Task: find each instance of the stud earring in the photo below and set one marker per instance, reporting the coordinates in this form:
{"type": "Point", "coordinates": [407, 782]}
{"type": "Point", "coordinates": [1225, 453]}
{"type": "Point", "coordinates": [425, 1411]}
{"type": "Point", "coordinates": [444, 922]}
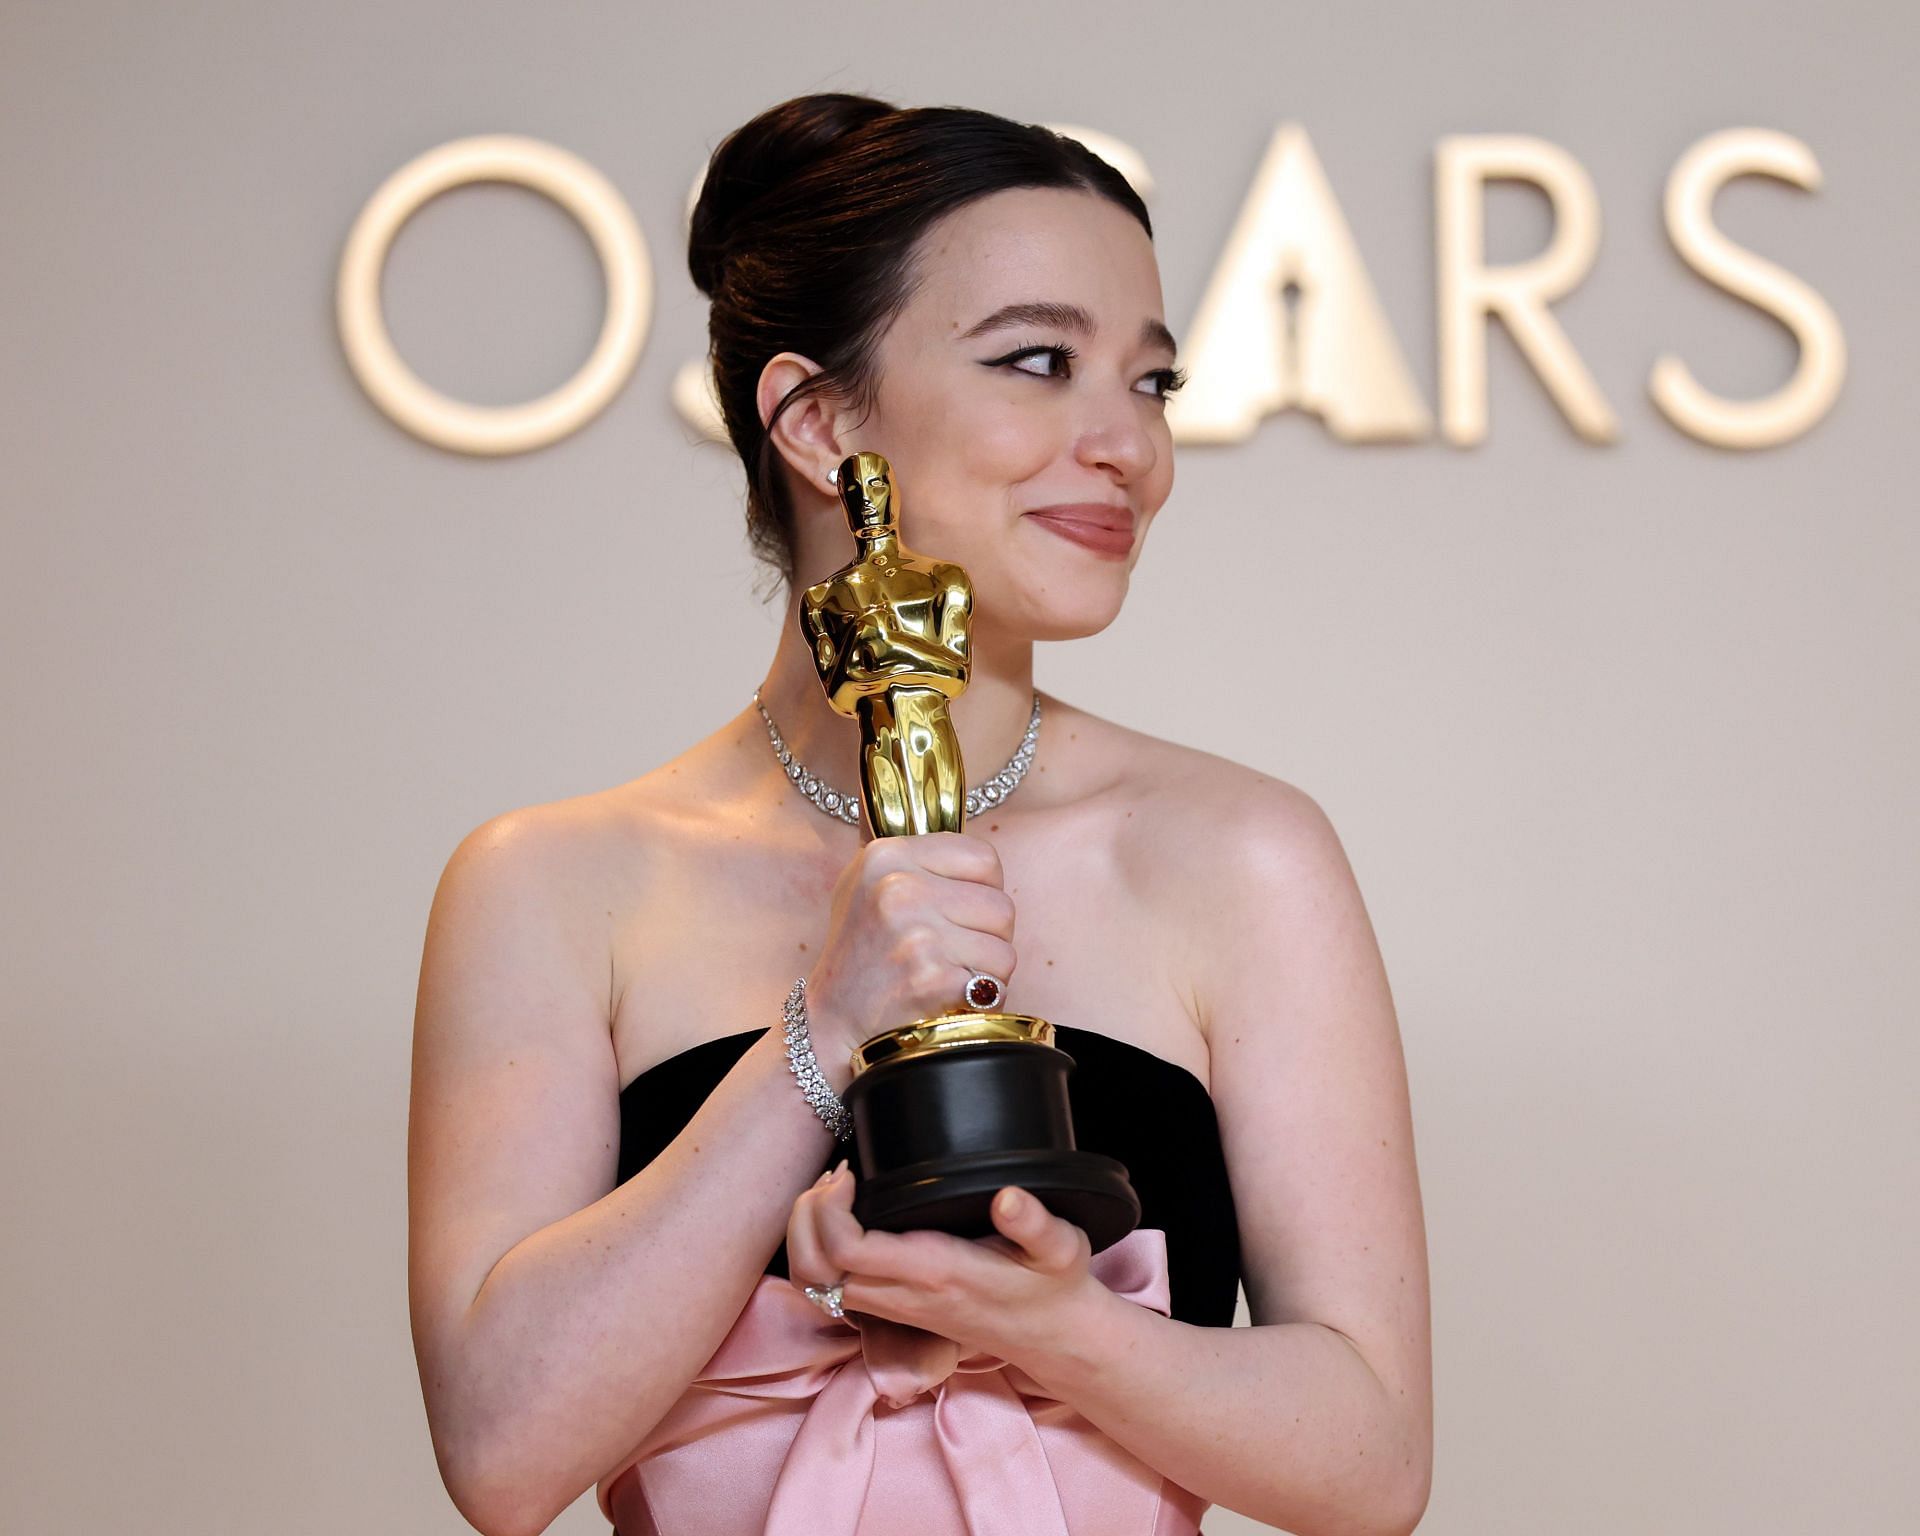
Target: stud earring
{"type": "Point", "coordinates": [833, 475]}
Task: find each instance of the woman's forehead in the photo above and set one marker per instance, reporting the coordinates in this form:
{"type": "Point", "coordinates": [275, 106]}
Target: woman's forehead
{"type": "Point", "coordinates": [1024, 233]}
{"type": "Point", "coordinates": [1061, 269]}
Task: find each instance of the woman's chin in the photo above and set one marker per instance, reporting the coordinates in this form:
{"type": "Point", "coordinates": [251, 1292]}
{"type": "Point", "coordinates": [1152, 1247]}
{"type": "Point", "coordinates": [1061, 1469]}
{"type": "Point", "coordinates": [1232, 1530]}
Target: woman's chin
{"type": "Point", "coordinates": [1070, 611]}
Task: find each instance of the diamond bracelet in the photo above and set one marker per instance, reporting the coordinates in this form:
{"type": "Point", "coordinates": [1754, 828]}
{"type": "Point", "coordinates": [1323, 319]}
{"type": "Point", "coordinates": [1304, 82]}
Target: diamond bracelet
{"type": "Point", "coordinates": [805, 1066]}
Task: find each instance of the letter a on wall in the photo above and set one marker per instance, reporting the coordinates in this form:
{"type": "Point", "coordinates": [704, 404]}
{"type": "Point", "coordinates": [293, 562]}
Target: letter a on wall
{"type": "Point", "coordinates": [1252, 353]}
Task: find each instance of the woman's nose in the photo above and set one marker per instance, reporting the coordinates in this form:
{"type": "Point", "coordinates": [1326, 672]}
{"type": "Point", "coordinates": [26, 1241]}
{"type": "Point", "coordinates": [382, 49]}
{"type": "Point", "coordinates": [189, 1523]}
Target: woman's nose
{"type": "Point", "coordinates": [1118, 442]}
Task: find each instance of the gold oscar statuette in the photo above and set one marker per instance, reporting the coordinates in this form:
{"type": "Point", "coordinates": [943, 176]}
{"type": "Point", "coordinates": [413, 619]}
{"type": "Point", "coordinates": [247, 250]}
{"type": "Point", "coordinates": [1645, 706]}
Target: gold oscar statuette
{"type": "Point", "coordinates": [947, 1110]}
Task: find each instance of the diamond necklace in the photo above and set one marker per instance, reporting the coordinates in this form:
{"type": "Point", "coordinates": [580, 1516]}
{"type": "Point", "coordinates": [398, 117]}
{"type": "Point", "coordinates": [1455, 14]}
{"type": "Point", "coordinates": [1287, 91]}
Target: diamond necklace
{"type": "Point", "coordinates": [845, 807]}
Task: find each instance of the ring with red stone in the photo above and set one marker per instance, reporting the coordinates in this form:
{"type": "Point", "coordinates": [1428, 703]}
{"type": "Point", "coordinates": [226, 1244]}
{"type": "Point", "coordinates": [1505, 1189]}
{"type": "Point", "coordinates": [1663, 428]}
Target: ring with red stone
{"type": "Point", "coordinates": [982, 992]}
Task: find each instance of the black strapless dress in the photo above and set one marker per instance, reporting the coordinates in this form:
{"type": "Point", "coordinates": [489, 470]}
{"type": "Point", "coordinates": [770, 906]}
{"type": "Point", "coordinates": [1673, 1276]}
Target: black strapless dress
{"type": "Point", "coordinates": [1153, 1115]}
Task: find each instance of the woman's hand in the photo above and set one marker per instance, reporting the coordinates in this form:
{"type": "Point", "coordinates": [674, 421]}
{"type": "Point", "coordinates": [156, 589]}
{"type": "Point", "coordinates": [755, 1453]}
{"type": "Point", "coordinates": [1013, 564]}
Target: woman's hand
{"type": "Point", "coordinates": [1013, 1295]}
{"type": "Point", "coordinates": [911, 918]}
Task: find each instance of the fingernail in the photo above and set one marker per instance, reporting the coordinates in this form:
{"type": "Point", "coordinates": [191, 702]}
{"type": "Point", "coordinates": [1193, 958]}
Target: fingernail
{"type": "Point", "coordinates": [823, 1178]}
{"type": "Point", "coordinates": [841, 1169]}
{"type": "Point", "coordinates": [1009, 1200]}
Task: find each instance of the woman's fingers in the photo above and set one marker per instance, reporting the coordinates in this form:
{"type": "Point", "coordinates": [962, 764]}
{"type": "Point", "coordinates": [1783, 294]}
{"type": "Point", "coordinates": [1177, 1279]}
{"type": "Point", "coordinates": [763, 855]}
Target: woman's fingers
{"type": "Point", "coordinates": [981, 908]}
{"type": "Point", "coordinates": [981, 952]}
{"type": "Point", "coordinates": [837, 1229]}
{"type": "Point", "coordinates": [826, 1243]}
{"type": "Point", "coordinates": [807, 1264]}
{"type": "Point", "coordinates": [1047, 1242]}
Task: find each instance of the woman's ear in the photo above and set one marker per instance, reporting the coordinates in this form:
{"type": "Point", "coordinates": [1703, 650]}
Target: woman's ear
{"type": "Point", "coordinates": [806, 436]}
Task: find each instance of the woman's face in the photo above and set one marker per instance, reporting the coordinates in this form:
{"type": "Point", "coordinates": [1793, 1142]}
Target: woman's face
{"type": "Point", "coordinates": [985, 422]}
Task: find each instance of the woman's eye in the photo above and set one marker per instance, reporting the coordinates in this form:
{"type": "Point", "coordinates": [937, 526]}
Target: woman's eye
{"type": "Point", "coordinates": [1063, 354]}
{"type": "Point", "coordinates": [1169, 379]}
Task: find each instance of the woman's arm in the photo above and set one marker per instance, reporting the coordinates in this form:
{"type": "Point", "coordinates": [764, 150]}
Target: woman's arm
{"type": "Point", "coordinates": [1319, 1418]}
{"type": "Point", "coordinates": [554, 1321]}
{"type": "Point", "coordinates": [1283, 1422]}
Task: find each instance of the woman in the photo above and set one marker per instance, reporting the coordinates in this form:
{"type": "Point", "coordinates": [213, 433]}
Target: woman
{"type": "Point", "coordinates": [613, 1170]}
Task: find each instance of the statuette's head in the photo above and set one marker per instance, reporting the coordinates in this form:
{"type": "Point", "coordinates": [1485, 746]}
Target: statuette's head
{"type": "Point", "coordinates": [867, 493]}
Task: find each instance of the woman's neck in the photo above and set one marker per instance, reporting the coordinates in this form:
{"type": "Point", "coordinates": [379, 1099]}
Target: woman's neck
{"type": "Point", "coordinates": [990, 717]}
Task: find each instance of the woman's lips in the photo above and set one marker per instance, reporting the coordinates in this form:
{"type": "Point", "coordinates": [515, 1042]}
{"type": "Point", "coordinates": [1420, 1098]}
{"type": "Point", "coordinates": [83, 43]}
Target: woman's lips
{"type": "Point", "coordinates": [1099, 535]}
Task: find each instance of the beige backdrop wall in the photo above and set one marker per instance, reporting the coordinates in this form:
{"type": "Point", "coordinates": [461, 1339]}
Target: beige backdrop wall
{"type": "Point", "coordinates": [1620, 740]}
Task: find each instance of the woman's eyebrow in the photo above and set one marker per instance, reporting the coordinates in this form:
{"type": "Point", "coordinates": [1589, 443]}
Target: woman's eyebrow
{"type": "Point", "coordinates": [1067, 317]}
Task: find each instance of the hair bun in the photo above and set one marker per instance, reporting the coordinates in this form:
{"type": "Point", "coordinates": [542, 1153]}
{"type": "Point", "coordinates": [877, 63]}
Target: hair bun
{"type": "Point", "coordinates": [761, 154]}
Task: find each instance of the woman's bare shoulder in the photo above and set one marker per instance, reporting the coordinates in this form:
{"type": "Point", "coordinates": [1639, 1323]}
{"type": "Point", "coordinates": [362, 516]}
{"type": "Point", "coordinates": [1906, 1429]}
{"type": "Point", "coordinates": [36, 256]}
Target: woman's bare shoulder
{"type": "Point", "coordinates": [595, 845]}
{"type": "Point", "coordinates": [1196, 832]}
{"type": "Point", "coordinates": [1191, 790]}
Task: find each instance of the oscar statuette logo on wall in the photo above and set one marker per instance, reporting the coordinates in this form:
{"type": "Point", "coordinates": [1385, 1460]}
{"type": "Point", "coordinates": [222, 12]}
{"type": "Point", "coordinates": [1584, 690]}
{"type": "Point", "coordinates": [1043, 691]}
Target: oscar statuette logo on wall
{"type": "Point", "coordinates": [1288, 320]}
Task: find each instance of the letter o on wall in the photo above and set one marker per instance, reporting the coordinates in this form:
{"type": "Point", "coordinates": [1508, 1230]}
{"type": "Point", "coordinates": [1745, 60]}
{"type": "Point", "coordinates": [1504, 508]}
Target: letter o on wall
{"type": "Point", "coordinates": [488, 429]}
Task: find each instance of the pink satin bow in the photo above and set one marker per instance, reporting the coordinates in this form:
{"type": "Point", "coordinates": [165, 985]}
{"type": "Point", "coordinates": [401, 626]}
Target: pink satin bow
{"type": "Point", "coordinates": [804, 1425]}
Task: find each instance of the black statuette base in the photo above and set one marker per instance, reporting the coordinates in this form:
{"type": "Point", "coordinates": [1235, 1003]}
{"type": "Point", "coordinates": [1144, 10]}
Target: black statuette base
{"type": "Point", "coordinates": [937, 1135]}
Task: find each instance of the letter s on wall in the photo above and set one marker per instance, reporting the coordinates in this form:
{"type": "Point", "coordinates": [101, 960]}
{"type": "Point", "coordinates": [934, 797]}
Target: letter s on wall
{"type": "Point", "coordinates": [1806, 397]}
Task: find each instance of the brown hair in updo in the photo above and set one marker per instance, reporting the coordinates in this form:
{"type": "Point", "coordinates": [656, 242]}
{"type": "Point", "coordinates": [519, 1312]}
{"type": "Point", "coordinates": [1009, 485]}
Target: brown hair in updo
{"type": "Point", "coordinates": [803, 239]}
